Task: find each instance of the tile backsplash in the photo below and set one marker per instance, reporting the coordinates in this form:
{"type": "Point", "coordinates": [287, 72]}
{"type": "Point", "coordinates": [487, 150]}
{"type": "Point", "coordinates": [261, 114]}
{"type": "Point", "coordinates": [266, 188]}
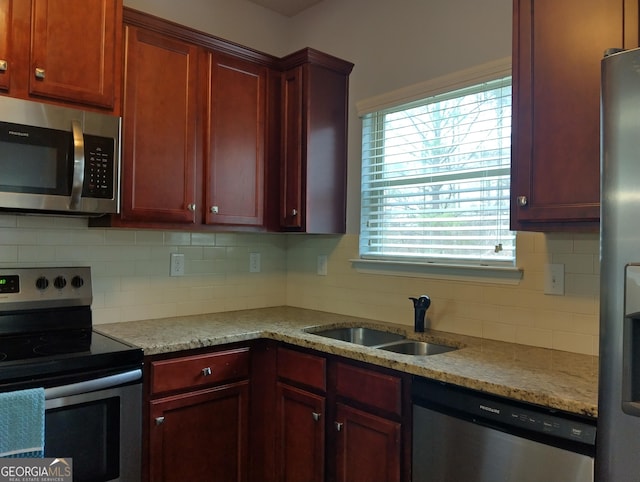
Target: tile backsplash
{"type": "Point", "coordinates": [519, 313]}
{"type": "Point", "coordinates": [130, 270]}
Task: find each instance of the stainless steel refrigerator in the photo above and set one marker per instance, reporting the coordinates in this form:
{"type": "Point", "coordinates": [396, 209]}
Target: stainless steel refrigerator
{"type": "Point", "coordinates": [618, 438]}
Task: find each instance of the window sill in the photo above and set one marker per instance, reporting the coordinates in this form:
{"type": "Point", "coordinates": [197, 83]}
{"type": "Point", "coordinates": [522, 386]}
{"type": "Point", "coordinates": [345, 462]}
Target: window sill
{"type": "Point", "coordinates": [470, 273]}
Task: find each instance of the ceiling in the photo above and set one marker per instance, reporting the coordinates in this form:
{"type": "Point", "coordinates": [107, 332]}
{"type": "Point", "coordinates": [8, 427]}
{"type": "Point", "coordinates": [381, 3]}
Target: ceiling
{"type": "Point", "coordinates": [286, 7]}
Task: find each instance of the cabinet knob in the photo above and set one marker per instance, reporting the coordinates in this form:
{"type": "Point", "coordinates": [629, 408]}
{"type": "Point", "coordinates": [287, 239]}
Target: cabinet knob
{"type": "Point", "coordinates": [3, 65]}
{"type": "Point", "coordinates": [159, 420]}
{"type": "Point", "coordinates": [214, 209]}
{"type": "Point", "coordinates": [316, 416]}
{"type": "Point", "coordinates": [522, 201]}
{"type": "Point", "coordinates": [294, 212]}
{"type": "Point", "coordinates": [206, 371]}
{"type": "Point", "coordinates": [40, 73]}
{"type": "Point", "coordinates": [338, 426]}
{"type": "Point", "coordinates": [191, 207]}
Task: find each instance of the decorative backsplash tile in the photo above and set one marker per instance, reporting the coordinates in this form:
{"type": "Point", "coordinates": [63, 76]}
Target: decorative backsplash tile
{"type": "Point", "coordinates": [131, 279]}
{"type": "Point", "coordinates": [520, 313]}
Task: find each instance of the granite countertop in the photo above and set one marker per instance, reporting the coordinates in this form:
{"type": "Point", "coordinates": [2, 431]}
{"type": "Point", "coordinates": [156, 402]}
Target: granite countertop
{"type": "Point", "coordinates": [556, 379]}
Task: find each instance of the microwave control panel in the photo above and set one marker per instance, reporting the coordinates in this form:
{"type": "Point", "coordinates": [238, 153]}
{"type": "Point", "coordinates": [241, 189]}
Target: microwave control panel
{"type": "Point", "coordinates": [99, 167]}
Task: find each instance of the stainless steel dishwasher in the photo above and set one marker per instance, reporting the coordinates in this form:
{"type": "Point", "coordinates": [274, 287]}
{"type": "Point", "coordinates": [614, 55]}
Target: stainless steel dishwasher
{"type": "Point", "coordinates": [466, 435]}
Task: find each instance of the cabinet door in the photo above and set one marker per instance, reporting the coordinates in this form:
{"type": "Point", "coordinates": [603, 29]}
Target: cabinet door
{"type": "Point", "coordinates": [160, 129]}
{"type": "Point", "coordinates": [314, 95]}
{"type": "Point", "coordinates": [236, 141]}
{"type": "Point", "coordinates": [200, 436]}
{"type": "Point", "coordinates": [300, 436]}
{"type": "Point", "coordinates": [556, 106]}
{"type": "Point", "coordinates": [75, 50]}
{"type": "Point", "coordinates": [368, 447]}
{"type": "Point", "coordinates": [6, 7]}
{"type": "Point", "coordinates": [291, 168]}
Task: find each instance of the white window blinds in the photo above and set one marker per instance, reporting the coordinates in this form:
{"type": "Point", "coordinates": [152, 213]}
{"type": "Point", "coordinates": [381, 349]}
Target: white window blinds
{"type": "Point", "coordinates": [435, 178]}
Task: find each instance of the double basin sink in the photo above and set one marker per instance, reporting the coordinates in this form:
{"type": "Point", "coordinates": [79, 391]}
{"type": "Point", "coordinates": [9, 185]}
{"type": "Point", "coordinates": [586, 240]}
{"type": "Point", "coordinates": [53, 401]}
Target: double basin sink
{"type": "Point", "coordinates": [384, 340]}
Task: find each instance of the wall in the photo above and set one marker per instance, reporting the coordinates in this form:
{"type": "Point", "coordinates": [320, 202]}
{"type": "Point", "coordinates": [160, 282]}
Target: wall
{"type": "Point", "coordinates": [240, 21]}
{"type": "Point", "coordinates": [130, 269]}
{"type": "Point", "coordinates": [394, 45]}
{"type": "Point", "coordinates": [519, 313]}
{"type": "Point", "coordinates": [398, 44]}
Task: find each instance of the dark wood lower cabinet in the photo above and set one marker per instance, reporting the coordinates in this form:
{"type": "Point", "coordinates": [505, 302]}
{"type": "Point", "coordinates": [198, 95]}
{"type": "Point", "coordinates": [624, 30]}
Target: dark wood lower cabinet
{"type": "Point", "coordinates": [300, 435]}
{"type": "Point", "coordinates": [270, 412]}
{"type": "Point", "coordinates": [197, 416]}
{"type": "Point", "coordinates": [201, 435]}
{"type": "Point", "coordinates": [368, 447]}
{"type": "Point", "coordinates": [340, 420]}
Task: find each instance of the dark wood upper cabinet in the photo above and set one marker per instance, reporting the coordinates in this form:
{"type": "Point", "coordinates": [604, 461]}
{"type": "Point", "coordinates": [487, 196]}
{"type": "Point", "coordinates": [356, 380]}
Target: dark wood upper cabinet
{"type": "Point", "coordinates": [6, 10]}
{"type": "Point", "coordinates": [235, 144]}
{"type": "Point", "coordinates": [217, 136]}
{"type": "Point", "coordinates": [63, 50]}
{"type": "Point", "coordinates": [313, 164]}
{"type": "Point", "coordinates": [160, 146]}
{"type": "Point", "coordinates": [557, 49]}
{"type": "Point", "coordinates": [194, 130]}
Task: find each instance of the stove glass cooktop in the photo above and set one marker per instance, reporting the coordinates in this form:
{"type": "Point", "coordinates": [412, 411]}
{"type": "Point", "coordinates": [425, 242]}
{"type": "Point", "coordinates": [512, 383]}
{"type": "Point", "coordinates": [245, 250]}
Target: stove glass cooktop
{"type": "Point", "coordinates": [39, 356]}
{"type": "Point", "coordinates": [46, 332]}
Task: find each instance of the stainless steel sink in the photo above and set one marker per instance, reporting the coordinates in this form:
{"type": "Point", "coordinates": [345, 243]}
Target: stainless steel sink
{"type": "Point", "coordinates": [361, 335]}
{"type": "Point", "coordinates": [417, 348]}
{"type": "Point", "coordinates": [384, 340]}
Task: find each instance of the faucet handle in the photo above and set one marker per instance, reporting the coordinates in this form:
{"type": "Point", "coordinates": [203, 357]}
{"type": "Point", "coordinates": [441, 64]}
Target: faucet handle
{"type": "Point", "coordinates": [422, 303]}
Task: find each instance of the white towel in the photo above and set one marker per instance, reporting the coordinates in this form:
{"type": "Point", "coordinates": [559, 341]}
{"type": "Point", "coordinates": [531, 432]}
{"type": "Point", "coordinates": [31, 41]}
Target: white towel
{"type": "Point", "coordinates": [22, 423]}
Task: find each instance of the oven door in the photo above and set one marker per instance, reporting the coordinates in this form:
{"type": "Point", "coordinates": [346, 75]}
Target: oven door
{"type": "Point", "coordinates": [97, 423]}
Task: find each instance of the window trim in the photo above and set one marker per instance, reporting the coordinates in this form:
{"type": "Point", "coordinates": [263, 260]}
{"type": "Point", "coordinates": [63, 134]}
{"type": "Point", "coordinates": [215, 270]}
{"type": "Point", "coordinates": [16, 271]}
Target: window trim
{"type": "Point", "coordinates": [500, 274]}
{"type": "Point", "coordinates": [509, 275]}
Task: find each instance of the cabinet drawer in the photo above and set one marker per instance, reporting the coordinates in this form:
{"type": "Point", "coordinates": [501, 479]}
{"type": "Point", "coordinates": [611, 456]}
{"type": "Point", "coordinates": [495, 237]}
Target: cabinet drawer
{"type": "Point", "coordinates": [199, 370]}
{"type": "Point", "coordinates": [297, 367]}
{"type": "Point", "coordinates": [369, 387]}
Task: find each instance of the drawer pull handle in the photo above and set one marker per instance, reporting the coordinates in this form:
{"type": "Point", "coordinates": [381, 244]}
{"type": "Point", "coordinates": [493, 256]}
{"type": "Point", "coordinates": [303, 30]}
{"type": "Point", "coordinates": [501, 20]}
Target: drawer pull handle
{"type": "Point", "coordinates": [3, 65]}
{"type": "Point", "coordinates": [159, 420]}
{"type": "Point", "coordinates": [40, 73]}
{"type": "Point", "coordinates": [316, 416]}
{"type": "Point", "coordinates": [339, 426]}
{"type": "Point", "coordinates": [206, 372]}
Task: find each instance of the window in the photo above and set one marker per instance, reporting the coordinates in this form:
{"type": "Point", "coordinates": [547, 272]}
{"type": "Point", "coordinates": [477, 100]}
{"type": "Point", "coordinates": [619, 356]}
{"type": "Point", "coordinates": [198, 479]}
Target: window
{"type": "Point", "coordinates": [436, 175]}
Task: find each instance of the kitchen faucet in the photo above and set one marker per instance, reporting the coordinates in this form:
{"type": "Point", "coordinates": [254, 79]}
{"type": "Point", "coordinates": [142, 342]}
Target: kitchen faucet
{"type": "Point", "coordinates": [420, 306]}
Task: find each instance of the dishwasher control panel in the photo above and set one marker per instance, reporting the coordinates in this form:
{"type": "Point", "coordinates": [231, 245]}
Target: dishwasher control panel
{"type": "Point", "coordinates": [509, 413]}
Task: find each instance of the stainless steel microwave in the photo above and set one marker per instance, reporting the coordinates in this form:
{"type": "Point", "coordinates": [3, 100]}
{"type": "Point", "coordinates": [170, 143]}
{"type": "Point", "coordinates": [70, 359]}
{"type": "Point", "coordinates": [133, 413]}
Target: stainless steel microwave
{"type": "Point", "coordinates": [57, 159]}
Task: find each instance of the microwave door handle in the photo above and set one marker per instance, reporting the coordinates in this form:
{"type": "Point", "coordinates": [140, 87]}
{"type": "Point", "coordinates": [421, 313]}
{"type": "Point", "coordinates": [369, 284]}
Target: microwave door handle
{"type": "Point", "coordinates": [78, 166]}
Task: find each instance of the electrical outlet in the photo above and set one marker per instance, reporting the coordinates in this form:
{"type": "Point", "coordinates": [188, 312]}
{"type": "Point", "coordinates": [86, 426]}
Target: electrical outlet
{"type": "Point", "coordinates": [322, 265]}
{"type": "Point", "coordinates": [554, 279]}
{"type": "Point", "coordinates": [254, 262]}
{"type": "Point", "coordinates": [177, 264]}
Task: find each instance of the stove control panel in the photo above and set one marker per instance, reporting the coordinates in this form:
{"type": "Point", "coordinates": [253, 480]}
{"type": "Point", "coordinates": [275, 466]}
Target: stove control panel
{"type": "Point", "coordinates": [9, 284]}
{"type": "Point", "coordinates": [33, 288]}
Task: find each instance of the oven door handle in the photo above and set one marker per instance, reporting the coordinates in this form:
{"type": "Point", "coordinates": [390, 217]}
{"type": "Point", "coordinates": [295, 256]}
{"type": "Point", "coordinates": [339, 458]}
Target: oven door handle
{"type": "Point", "coordinates": [93, 385]}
